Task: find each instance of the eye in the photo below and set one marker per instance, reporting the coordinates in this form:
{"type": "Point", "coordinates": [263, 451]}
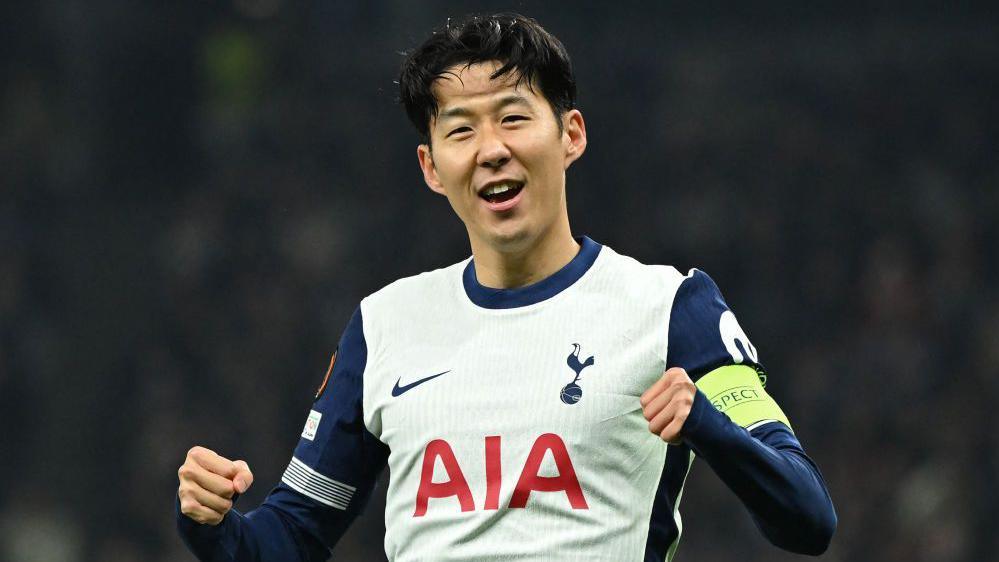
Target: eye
{"type": "Point", "coordinates": [513, 118]}
{"type": "Point", "coordinates": [459, 130]}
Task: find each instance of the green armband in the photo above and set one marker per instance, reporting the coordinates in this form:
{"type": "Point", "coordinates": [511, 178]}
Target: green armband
{"type": "Point", "coordinates": [736, 391]}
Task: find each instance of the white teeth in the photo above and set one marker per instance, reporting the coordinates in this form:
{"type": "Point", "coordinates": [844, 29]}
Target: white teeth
{"type": "Point", "coordinates": [499, 188]}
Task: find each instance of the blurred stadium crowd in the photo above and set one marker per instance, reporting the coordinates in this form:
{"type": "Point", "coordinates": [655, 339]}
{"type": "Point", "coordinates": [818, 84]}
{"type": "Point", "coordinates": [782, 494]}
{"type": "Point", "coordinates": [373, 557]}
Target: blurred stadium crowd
{"type": "Point", "coordinates": [194, 200]}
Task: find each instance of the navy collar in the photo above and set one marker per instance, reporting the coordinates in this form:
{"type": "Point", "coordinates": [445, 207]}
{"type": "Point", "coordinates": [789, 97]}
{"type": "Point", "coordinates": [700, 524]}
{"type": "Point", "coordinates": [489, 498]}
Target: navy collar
{"type": "Point", "coordinates": [487, 297]}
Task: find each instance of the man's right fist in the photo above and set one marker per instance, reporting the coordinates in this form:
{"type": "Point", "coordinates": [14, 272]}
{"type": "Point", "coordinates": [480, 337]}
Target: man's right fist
{"type": "Point", "coordinates": [208, 482]}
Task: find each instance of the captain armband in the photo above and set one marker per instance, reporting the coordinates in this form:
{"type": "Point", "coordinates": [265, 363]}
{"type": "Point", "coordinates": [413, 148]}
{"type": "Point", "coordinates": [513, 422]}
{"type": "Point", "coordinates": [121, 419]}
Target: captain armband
{"type": "Point", "coordinates": [736, 391]}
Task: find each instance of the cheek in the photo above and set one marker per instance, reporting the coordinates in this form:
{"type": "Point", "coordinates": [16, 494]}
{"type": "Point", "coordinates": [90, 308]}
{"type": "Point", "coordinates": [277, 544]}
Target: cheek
{"type": "Point", "coordinates": [547, 164]}
{"type": "Point", "coordinates": [452, 174]}
{"type": "Point", "coordinates": [456, 179]}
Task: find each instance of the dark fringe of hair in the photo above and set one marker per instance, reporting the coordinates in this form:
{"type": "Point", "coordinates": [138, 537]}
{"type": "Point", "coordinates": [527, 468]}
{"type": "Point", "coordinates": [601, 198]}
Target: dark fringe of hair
{"type": "Point", "coordinates": [517, 42]}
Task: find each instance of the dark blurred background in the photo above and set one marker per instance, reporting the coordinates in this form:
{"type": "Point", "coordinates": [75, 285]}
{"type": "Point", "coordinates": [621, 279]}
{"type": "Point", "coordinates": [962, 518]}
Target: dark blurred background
{"type": "Point", "coordinates": [195, 196]}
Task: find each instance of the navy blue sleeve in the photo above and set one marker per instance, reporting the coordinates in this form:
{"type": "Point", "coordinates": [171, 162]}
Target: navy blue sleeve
{"type": "Point", "coordinates": [703, 332]}
{"type": "Point", "coordinates": [765, 466]}
{"type": "Point", "coordinates": [326, 485]}
{"type": "Point", "coordinates": [769, 471]}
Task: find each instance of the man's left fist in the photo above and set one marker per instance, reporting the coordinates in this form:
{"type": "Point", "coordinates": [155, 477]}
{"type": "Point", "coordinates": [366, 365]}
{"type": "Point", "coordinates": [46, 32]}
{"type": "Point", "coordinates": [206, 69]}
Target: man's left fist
{"type": "Point", "coordinates": [666, 404]}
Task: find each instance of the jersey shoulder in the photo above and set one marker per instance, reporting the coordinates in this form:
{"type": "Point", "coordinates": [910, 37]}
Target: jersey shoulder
{"type": "Point", "coordinates": [416, 291]}
{"type": "Point", "coordinates": [703, 332]}
{"type": "Point", "coordinates": [400, 310]}
{"type": "Point", "coordinates": [637, 281]}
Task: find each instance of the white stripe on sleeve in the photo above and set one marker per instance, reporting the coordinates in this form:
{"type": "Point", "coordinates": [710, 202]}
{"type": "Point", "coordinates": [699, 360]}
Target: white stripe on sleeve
{"type": "Point", "coordinates": [299, 477]}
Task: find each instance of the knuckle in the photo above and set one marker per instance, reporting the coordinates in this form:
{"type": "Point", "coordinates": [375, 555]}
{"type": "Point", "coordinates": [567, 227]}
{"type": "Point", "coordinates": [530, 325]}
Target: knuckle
{"type": "Point", "coordinates": [188, 506]}
{"type": "Point", "coordinates": [185, 471]}
{"type": "Point", "coordinates": [681, 390]}
{"type": "Point", "coordinates": [200, 454]}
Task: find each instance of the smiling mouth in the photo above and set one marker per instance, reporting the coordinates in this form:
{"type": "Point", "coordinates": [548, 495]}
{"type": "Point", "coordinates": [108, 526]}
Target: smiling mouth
{"type": "Point", "coordinates": [502, 192]}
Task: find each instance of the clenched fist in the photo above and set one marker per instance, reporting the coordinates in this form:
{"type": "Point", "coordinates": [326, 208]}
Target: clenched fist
{"type": "Point", "coordinates": [666, 404]}
{"type": "Point", "coordinates": [208, 482]}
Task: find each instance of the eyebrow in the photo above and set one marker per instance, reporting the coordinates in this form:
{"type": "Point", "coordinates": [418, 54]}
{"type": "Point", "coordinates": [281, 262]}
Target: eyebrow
{"type": "Point", "coordinates": [509, 99]}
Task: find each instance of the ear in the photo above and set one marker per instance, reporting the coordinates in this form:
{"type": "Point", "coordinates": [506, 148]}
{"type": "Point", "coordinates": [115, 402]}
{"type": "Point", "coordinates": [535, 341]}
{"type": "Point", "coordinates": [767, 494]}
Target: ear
{"type": "Point", "coordinates": [426, 158]}
{"type": "Point", "coordinates": [573, 136]}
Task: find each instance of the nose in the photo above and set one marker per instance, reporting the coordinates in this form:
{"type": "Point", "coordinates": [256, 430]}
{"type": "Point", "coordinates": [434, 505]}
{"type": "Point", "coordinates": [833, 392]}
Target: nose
{"type": "Point", "coordinates": [493, 152]}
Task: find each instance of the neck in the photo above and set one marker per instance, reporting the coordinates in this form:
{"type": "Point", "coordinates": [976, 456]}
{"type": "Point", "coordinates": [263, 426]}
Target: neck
{"type": "Point", "coordinates": [502, 268]}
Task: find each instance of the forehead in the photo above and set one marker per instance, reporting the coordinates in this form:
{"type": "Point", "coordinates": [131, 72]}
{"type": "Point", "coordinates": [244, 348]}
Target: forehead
{"type": "Point", "coordinates": [465, 85]}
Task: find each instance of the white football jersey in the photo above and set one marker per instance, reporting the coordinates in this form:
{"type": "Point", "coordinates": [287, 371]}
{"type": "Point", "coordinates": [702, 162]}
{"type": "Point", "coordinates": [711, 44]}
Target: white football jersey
{"type": "Point", "coordinates": [510, 418]}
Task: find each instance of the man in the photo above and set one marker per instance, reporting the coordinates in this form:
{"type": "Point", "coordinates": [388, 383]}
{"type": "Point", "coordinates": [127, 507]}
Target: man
{"type": "Point", "coordinates": [538, 401]}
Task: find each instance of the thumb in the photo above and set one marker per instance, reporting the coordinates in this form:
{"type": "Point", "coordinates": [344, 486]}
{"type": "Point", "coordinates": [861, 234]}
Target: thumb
{"type": "Point", "coordinates": [243, 478]}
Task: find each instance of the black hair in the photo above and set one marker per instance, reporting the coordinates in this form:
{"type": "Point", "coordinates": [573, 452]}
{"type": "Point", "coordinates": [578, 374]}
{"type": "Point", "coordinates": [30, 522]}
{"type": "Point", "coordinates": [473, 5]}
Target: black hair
{"type": "Point", "coordinates": [517, 42]}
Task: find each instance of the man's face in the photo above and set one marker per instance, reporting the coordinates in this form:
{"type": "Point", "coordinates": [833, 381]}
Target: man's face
{"type": "Point", "coordinates": [499, 157]}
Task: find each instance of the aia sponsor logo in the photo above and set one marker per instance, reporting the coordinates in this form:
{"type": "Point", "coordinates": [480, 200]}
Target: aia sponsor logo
{"type": "Point", "coordinates": [528, 481]}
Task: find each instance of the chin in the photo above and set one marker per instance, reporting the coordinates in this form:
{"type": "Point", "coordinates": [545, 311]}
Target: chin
{"type": "Point", "coordinates": [510, 239]}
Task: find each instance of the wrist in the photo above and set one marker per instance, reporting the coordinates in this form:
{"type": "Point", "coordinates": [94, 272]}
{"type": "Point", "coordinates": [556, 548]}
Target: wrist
{"type": "Point", "coordinates": [699, 421]}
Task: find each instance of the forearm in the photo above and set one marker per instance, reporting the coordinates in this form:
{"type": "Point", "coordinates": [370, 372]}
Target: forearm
{"type": "Point", "coordinates": [262, 535]}
{"type": "Point", "coordinates": [770, 473]}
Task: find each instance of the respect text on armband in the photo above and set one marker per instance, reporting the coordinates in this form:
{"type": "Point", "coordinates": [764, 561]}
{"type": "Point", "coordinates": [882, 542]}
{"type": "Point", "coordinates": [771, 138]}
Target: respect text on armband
{"type": "Point", "coordinates": [736, 396]}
